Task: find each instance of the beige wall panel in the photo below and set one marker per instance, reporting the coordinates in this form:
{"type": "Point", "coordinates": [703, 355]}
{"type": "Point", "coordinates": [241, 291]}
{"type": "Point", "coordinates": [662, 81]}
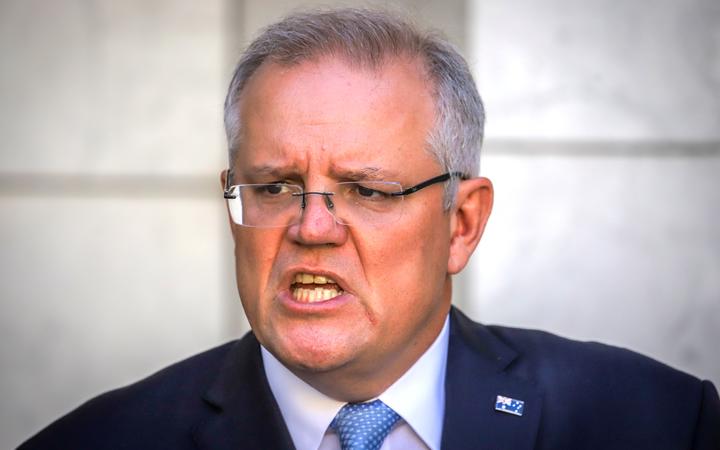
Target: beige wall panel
{"type": "Point", "coordinates": [598, 69]}
{"type": "Point", "coordinates": [621, 247]}
{"type": "Point", "coordinates": [99, 292]}
{"type": "Point", "coordinates": [111, 87]}
{"type": "Point", "coordinates": [448, 16]}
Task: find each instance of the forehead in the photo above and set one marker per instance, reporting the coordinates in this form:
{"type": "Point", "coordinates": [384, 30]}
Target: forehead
{"type": "Point", "coordinates": [327, 111]}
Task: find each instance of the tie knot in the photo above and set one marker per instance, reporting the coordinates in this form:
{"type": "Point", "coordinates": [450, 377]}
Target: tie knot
{"type": "Point", "coordinates": [364, 426]}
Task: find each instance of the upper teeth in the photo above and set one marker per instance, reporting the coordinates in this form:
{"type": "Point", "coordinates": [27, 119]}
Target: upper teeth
{"type": "Point", "coordinates": [308, 278]}
{"type": "Point", "coordinates": [311, 294]}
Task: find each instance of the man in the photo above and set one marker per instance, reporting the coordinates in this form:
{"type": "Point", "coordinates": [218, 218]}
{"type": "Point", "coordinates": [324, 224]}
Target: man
{"type": "Point", "coordinates": [353, 198]}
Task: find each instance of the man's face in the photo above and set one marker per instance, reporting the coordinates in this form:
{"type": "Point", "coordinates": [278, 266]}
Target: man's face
{"type": "Point", "coordinates": [319, 123]}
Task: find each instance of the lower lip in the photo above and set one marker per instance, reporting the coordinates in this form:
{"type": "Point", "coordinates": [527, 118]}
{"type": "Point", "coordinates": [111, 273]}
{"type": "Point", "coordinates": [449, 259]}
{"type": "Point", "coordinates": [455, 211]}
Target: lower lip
{"type": "Point", "coordinates": [289, 302]}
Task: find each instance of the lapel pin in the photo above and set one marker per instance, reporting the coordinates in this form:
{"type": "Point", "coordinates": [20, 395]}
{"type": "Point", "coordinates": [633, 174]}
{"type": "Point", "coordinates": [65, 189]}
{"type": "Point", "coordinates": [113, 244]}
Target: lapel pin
{"type": "Point", "coordinates": [509, 405]}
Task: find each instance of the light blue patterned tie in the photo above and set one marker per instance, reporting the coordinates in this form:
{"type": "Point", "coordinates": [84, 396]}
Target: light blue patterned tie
{"type": "Point", "coordinates": [364, 426]}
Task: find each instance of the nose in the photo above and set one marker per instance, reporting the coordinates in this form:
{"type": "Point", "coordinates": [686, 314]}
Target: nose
{"type": "Point", "coordinates": [317, 224]}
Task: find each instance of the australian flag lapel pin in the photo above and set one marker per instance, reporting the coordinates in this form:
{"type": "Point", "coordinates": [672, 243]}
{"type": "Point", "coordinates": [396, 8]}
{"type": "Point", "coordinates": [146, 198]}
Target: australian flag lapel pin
{"type": "Point", "coordinates": [509, 405]}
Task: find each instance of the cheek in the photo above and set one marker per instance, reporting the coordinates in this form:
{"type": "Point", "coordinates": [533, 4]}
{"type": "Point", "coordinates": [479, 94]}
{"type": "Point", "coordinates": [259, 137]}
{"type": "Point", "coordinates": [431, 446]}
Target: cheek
{"type": "Point", "coordinates": [255, 251]}
{"type": "Point", "coordinates": [403, 265]}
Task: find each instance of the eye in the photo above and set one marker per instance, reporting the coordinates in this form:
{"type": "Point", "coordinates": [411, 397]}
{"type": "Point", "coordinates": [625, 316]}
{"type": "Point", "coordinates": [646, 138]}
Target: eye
{"type": "Point", "coordinates": [371, 192]}
{"type": "Point", "coordinates": [272, 189]}
{"type": "Point", "coordinates": [367, 192]}
{"type": "Point", "coordinates": [275, 188]}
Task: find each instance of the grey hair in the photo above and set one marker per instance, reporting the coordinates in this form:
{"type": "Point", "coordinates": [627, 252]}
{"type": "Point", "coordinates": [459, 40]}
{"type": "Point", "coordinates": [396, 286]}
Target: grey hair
{"type": "Point", "coordinates": [369, 38]}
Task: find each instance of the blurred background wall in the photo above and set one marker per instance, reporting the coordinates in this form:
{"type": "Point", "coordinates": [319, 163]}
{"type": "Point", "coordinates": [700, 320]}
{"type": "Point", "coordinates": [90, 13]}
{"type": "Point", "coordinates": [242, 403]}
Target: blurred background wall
{"type": "Point", "coordinates": [603, 141]}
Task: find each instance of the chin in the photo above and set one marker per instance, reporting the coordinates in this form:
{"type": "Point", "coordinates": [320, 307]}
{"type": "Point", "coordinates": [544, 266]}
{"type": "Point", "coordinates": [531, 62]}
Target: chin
{"type": "Point", "coordinates": [315, 354]}
{"type": "Point", "coordinates": [318, 366]}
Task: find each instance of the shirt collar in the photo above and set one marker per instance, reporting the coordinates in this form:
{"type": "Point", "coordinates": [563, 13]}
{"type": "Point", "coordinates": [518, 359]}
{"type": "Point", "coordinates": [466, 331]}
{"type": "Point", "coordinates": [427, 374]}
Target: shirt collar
{"type": "Point", "coordinates": [418, 397]}
{"type": "Point", "coordinates": [307, 412]}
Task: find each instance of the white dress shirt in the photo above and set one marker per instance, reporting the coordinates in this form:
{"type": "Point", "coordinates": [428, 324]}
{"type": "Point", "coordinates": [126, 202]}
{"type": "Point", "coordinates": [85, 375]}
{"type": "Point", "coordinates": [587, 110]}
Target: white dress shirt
{"type": "Point", "coordinates": [418, 397]}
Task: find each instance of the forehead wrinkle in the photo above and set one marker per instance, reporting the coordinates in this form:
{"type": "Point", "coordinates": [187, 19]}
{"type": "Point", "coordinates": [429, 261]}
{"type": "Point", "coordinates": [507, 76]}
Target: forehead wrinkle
{"type": "Point", "coordinates": [319, 122]}
{"type": "Point", "coordinates": [274, 156]}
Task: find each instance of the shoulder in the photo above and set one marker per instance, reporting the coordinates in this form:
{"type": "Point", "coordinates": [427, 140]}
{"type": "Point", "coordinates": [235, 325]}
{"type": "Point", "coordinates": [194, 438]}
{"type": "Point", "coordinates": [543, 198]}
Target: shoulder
{"type": "Point", "coordinates": [553, 360]}
{"type": "Point", "coordinates": [547, 357]}
{"type": "Point", "coordinates": [159, 408]}
{"type": "Point", "coordinates": [595, 391]}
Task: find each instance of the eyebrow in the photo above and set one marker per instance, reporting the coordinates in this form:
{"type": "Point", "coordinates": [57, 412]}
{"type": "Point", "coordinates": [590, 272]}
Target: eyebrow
{"type": "Point", "coordinates": [365, 173]}
{"type": "Point", "coordinates": [369, 173]}
{"type": "Point", "coordinates": [268, 170]}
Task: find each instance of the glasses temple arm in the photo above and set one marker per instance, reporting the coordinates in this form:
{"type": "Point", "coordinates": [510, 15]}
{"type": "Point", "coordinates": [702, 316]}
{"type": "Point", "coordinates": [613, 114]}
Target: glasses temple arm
{"type": "Point", "coordinates": [226, 193]}
{"type": "Point", "coordinates": [431, 181]}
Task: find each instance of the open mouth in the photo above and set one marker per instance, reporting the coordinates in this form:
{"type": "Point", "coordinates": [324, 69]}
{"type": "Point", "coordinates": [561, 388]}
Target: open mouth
{"type": "Point", "coordinates": [310, 288]}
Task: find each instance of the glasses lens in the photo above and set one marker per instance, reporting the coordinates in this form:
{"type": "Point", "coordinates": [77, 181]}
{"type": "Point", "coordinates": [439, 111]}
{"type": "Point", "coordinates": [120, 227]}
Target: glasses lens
{"type": "Point", "coordinates": [265, 205]}
{"type": "Point", "coordinates": [367, 203]}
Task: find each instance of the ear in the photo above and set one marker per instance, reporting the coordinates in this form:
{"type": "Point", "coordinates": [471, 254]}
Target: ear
{"type": "Point", "coordinates": [223, 178]}
{"type": "Point", "coordinates": [474, 201]}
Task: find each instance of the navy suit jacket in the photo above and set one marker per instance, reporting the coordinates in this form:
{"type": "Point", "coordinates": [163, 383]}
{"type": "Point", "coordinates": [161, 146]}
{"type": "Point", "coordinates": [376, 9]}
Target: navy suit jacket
{"type": "Point", "coordinates": [576, 396]}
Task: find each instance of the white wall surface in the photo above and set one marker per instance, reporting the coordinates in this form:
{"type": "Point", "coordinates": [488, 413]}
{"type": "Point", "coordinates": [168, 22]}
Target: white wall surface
{"type": "Point", "coordinates": [115, 258]}
{"type": "Point", "coordinates": [598, 69]}
{"type": "Point", "coordinates": [605, 242]}
{"type": "Point", "coordinates": [603, 140]}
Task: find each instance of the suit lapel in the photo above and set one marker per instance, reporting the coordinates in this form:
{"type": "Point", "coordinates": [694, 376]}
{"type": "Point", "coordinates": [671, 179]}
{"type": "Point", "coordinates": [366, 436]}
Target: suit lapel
{"type": "Point", "coordinates": [246, 414]}
{"type": "Point", "coordinates": [478, 370]}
